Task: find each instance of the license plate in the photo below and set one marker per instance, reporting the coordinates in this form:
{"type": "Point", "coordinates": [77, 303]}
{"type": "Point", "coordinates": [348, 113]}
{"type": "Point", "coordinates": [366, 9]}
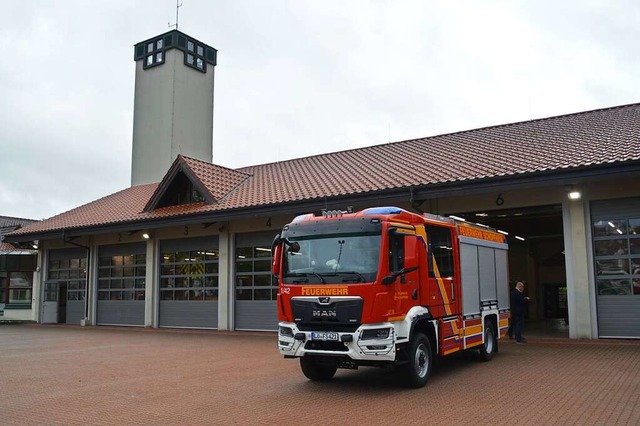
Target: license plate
{"type": "Point", "coordinates": [324, 335]}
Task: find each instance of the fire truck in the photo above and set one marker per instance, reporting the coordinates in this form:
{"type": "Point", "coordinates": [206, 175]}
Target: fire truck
{"type": "Point", "coordinates": [387, 287]}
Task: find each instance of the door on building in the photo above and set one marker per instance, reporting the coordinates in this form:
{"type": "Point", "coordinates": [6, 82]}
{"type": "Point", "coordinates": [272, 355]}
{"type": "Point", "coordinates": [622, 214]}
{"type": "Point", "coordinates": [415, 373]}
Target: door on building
{"type": "Point", "coordinates": [50, 303]}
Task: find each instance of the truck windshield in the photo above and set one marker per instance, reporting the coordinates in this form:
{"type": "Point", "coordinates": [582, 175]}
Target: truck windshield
{"type": "Point", "coordinates": [332, 259]}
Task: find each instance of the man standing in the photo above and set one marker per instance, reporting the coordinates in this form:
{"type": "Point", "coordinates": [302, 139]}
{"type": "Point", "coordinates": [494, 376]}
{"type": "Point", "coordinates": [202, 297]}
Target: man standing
{"type": "Point", "coordinates": [518, 301]}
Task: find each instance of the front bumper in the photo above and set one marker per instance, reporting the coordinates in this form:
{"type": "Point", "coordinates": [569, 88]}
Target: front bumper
{"type": "Point", "coordinates": [295, 343]}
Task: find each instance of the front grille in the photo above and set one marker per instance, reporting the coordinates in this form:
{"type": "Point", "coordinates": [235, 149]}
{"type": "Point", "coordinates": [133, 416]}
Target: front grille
{"type": "Point", "coordinates": [325, 346]}
{"type": "Point", "coordinates": [339, 315]}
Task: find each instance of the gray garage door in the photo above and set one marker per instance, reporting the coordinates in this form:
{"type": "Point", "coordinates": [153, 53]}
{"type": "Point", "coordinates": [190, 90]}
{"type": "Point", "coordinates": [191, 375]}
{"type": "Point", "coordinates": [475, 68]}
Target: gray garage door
{"type": "Point", "coordinates": [189, 282]}
{"type": "Point", "coordinates": [68, 268]}
{"type": "Point", "coordinates": [616, 235]}
{"type": "Point", "coordinates": [255, 306]}
{"type": "Point", "coordinates": [121, 284]}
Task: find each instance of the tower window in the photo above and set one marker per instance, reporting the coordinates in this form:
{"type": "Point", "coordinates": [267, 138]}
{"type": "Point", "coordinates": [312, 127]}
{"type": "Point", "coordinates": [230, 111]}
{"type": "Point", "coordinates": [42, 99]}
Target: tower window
{"type": "Point", "coordinates": [154, 52]}
{"type": "Point", "coordinates": [196, 54]}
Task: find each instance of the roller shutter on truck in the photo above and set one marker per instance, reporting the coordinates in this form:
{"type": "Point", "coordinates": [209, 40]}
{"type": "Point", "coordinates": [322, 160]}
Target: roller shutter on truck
{"type": "Point", "coordinates": [485, 279]}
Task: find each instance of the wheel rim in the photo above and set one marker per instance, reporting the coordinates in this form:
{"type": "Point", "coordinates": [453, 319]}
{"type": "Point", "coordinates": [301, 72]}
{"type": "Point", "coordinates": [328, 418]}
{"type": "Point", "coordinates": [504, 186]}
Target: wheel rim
{"type": "Point", "coordinates": [422, 361]}
{"type": "Point", "coordinates": [488, 341]}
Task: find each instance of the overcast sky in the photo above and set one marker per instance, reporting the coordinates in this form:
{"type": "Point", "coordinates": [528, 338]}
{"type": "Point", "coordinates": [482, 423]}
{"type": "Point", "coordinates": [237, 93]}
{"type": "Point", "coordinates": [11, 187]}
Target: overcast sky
{"type": "Point", "coordinates": [294, 78]}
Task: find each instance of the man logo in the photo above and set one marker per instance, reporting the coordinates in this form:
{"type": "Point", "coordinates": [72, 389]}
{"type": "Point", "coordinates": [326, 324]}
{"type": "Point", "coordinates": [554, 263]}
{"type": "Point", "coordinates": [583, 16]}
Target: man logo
{"type": "Point", "coordinates": [324, 300]}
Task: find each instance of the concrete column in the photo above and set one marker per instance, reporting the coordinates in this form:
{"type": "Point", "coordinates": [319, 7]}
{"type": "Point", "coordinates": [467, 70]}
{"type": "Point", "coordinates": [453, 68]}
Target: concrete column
{"type": "Point", "coordinates": [152, 295]}
{"type": "Point", "coordinates": [37, 292]}
{"type": "Point", "coordinates": [225, 280]}
{"type": "Point", "coordinates": [92, 284]}
{"type": "Point", "coordinates": [579, 284]}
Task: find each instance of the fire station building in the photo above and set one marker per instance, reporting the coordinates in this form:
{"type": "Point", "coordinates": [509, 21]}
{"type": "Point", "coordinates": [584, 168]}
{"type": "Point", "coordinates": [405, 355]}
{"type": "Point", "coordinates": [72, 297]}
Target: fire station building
{"type": "Point", "coordinates": [188, 244]}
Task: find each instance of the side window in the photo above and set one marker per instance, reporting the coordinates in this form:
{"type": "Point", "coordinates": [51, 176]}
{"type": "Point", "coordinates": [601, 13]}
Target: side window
{"type": "Point", "coordinates": [396, 251]}
{"type": "Point", "coordinates": [440, 249]}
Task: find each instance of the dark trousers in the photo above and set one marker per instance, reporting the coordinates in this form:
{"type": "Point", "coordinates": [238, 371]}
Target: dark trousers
{"type": "Point", "coordinates": [518, 320]}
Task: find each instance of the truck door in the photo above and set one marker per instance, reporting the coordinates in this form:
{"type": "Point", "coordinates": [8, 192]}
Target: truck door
{"type": "Point", "coordinates": [443, 284]}
{"type": "Point", "coordinates": [403, 268]}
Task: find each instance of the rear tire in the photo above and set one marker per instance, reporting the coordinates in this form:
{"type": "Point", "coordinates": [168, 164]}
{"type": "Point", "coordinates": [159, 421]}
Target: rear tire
{"type": "Point", "coordinates": [490, 344]}
{"type": "Point", "coordinates": [315, 370]}
{"type": "Point", "coordinates": [420, 362]}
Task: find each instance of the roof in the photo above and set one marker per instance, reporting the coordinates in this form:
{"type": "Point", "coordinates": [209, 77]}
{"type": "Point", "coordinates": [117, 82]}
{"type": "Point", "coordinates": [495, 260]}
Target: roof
{"type": "Point", "coordinates": [8, 224]}
{"type": "Point", "coordinates": [577, 141]}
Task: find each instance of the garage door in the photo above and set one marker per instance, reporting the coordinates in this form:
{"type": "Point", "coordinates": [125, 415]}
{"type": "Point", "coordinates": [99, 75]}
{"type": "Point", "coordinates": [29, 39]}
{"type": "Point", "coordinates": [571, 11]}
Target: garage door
{"type": "Point", "coordinates": [189, 283]}
{"type": "Point", "coordinates": [121, 284]}
{"type": "Point", "coordinates": [67, 268]}
{"type": "Point", "coordinates": [255, 305]}
{"type": "Point", "coordinates": [616, 235]}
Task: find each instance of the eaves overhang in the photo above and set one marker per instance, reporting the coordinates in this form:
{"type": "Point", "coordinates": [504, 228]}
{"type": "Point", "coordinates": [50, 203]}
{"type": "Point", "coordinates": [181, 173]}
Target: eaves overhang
{"type": "Point", "coordinates": [476, 186]}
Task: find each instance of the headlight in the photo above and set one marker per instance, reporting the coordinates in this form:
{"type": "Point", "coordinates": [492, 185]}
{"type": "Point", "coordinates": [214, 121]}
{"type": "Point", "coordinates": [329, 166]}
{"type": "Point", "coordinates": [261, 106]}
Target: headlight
{"type": "Point", "coordinates": [376, 333]}
{"type": "Point", "coordinates": [286, 331]}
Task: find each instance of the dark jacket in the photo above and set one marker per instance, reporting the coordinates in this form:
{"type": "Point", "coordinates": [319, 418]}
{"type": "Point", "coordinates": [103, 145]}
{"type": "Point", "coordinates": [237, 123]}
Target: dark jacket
{"type": "Point", "coordinates": [517, 302]}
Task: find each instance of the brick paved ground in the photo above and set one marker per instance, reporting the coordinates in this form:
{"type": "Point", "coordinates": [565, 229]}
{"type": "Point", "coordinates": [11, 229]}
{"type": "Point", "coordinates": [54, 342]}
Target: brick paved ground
{"type": "Point", "coordinates": [111, 376]}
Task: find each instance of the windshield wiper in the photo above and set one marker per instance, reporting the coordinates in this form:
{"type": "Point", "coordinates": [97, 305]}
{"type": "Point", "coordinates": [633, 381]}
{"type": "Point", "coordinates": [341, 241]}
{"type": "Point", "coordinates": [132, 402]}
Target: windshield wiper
{"type": "Point", "coordinates": [301, 277]}
{"type": "Point", "coordinates": [361, 278]}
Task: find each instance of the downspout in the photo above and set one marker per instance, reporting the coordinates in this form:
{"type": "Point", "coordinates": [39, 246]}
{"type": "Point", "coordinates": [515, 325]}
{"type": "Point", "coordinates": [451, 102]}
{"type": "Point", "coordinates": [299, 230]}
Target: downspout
{"type": "Point", "coordinates": [86, 290]}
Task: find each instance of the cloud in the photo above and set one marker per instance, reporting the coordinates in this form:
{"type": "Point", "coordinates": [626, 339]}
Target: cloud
{"type": "Point", "coordinates": [294, 78]}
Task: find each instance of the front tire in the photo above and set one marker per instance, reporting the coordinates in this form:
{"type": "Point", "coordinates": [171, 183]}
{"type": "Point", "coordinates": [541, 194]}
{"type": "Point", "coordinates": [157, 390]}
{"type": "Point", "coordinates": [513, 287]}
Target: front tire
{"type": "Point", "coordinates": [315, 370]}
{"type": "Point", "coordinates": [420, 362]}
{"type": "Point", "coordinates": [490, 344]}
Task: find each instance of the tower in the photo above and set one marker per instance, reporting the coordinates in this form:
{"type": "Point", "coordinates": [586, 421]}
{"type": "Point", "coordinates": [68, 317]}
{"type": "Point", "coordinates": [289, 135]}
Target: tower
{"type": "Point", "coordinates": [173, 104]}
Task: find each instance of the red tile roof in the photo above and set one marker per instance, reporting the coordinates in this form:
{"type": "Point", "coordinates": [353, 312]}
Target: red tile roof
{"type": "Point", "coordinates": [8, 224]}
{"type": "Point", "coordinates": [574, 141]}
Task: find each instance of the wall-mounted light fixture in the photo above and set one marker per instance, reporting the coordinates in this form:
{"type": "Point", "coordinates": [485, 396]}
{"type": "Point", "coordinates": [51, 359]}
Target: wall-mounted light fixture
{"type": "Point", "coordinates": [146, 236]}
{"type": "Point", "coordinates": [573, 193]}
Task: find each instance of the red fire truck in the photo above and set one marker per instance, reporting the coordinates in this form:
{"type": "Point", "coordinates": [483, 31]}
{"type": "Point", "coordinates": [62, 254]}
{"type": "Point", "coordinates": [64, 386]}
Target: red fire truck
{"type": "Point", "coordinates": [385, 286]}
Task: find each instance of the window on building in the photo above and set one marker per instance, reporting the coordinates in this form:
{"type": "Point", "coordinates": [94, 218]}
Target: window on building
{"type": "Point", "coordinates": [189, 275]}
{"type": "Point", "coordinates": [122, 277]}
{"type": "Point", "coordinates": [253, 273]}
{"type": "Point", "coordinates": [154, 52]}
{"type": "Point", "coordinates": [195, 56]}
{"type": "Point", "coordinates": [180, 191]}
{"type": "Point", "coordinates": [16, 287]}
{"type": "Point", "coordinates": [72, 273]}
{"type": "Point", "coordinates": [617, 256]}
